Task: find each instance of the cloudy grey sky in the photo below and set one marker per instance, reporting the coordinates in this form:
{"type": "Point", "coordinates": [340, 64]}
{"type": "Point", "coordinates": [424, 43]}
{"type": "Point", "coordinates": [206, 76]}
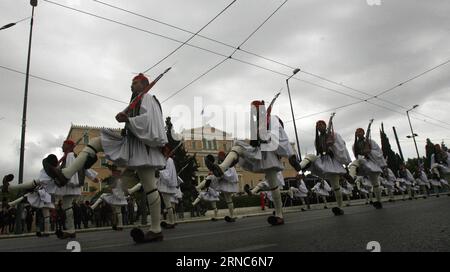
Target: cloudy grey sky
{"type": "Point", "coordinates": [369, 48]}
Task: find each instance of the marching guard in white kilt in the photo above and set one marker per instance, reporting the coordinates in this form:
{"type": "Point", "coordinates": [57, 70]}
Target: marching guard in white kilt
{"type": "Point", "coordinates": [422, 181]}
{"type": "Point", "coordinates": [117, 197]}
{"type": "Point", "coordinates": [263, 155]}
{"type": "Point", "coordinates": [388, 180]}
{"type": "Point", "coordinates": [168, 184]}
{"type": "Point", "coordinates": [322, 189]}
{"type": "Point", "coordinates": [50, 188]}
{"type": "Point", "coordinates": [332, 156]}
{"type": "Point", "coordinates": [228, 185]}
{"type": "Point", "coordinates": [346, 189]}
{"type": "Point", "coordinates": [138, 148]}
{"type": "Point", "coordinates": [368, 161]}
{"type": "Point", "coordinates": [440, 166]}
{"type": "Point", "coordinates": [365, 188]}
{"type": "Point", "coordinates": [407, 179]}
{"type": "Point", "coordinates": [38, 198]}
{"type": "Point", "coordinates": [300, 192]}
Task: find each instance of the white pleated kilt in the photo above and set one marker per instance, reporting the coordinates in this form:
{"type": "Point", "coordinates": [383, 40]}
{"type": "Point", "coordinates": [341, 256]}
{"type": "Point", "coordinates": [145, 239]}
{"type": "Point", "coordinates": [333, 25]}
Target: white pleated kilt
{"type": "Point", "coordinates": [363, 190]}
{"type": "Point", "coordinates": [164, 188]}
{"type": "Point", "coordinates": [302, 193]}
{"type": "Point", "coordinates": [67, 190]}
{"type": "Point", "coordinates": [321, 192]}
{"type": "Point", "coordinates": [209, 195]}
{"type": "Point", "coordinates": [420, 182]}
{"type": "Point", "coordinates": [442, 168]}
{"type": "Point", "coordinates": [298, 193]}
{"type": "Point", "coordinates": [40, 199]}
{"type": "Point", "coordinates": [401, 188]}
{"type": "Point", "coordinates": [325, 165]}
{"type": "Point", "coordinates": [257, 161]}
{"type": "Point", "coordinates": [367, 167]}
{"type": "Point", "coordinates": [50, 187]}
{"type": "Point", "coordinates": [227, 186]}
{"type": "Point", "coordinates": [347, 191]}
{"type": "Point", "coordinates": [404, 181]}
{"type": "Point", "coordinates": [116, 200]}
{"type": "Point", "coordinates": [130, 151]}
{"type": "Point", "coordinates": [388, 184]}
{"type": "Point", "coordinates": [264, 185]}
{"type": "Point", "coordinates": [366, 184]}
{"type": "Point", "coordinates": [174, 199]}
{"type": "Point", "coordinates": [435, 182]}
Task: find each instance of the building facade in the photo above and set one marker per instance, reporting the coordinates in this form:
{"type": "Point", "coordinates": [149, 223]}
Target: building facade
{"type": "Point", "coordinates": [209, 140]}
{"type": "Point", "coordinates": [202, 141]}
{"type": "Point", "coordinates": [82, 135]}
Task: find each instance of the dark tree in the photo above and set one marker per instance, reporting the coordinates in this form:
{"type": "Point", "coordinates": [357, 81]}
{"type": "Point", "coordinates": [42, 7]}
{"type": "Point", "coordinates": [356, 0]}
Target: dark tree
{"type": "Point", "coordinates": [393, 159]}
{"type": "Point", "coordinates": [185, 164]}
{"type": "Point", "coordinates": [429, 150]}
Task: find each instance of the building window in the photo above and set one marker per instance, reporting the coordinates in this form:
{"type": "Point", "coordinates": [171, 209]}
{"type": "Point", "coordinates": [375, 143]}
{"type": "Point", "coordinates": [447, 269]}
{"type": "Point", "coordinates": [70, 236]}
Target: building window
{"type": "Point", "coordinates": [103, 162]}
{"type": "Point", "coordinates": [193, 145]}
{"type": "Point", "coordinates": [86, 187]}
{"type": "Point", "coordinates": [204, 143]}
{"type": "Point", "coordinates": [215, 144]}
{"type": "Point", "coordinates": [225, 147]}
{"type": "Point", "coordinates": [86, 138]}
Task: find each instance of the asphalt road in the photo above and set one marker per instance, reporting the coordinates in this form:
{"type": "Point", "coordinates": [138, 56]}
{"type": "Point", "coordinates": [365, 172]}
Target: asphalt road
{"type": "Point", "coordinates": [411, 225]}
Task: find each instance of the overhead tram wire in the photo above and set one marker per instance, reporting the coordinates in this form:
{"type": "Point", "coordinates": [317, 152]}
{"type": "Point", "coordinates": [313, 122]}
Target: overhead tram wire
{"type": "Point", "coordinates": [190, 38]}
{"type": "Point", "coordinates": [198, 47]}
{"type": "Point", "coordinates": [246, 51]}
{"type": "Point", "coordinates": [64, 85]}
{"type": "Point", "coordinates": [359, 102]}
{"type": "Point", "coordinates": [210, 51]}
{"type": "Point", "coordinates": [413, 78]}
{"type": "Point", "coordinates": [388, 90]}
{"type": "Point", "coordinates": [132, 27]}
{"type": "Point", "coordinates": [351, 104]}
{"type": "Point", "coordinates": [113, 99]}
{"type": "Point", "coordinates": [262, 57]}
{"type": "Point", "coordinates": [227, 58]}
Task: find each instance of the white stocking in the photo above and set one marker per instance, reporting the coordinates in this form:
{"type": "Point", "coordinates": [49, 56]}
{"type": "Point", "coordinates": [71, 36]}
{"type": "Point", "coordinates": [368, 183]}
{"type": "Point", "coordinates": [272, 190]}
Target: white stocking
{"type": "Point", "coordinates": [98, 201]}
{"type": "Point", "coordinates": [168, 205]}
{"type": "Point", "coordinates": [229, 201]}
{"type": "Point", "coordinates": [148, 181]}
{"type": "Point", "coordinates": [46, 214]}
{"type": "Point", "coordinates": [271, 176]}
{"type": "Point", "coordinates": [67, 206]}
{"type": "Point", "coordinates": [376, 185]}
{"type": "Point", "coordinates": [334, 180]}
{"type": "Point", "coordinates": [231, 157]}
{"type": "Point", "coordinates": [79, 162]}
{"type": "Point", "coordinates": [214, 206]}
{"type": "Point", "coordinates": [15, 202]}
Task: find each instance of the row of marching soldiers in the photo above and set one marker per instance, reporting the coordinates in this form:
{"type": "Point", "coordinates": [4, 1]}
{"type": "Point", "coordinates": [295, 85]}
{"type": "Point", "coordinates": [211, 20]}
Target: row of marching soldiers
{"type": "Point", "coordinates": [139, 149]}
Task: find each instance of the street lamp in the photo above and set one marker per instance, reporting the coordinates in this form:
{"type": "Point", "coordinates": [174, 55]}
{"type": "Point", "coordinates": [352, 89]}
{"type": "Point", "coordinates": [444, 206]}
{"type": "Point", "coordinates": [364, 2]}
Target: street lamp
{"type": "Point", "coordinates": [33, 3]}
{"type": "Point", "coordinates": [412, 132]}
{"type": "Point", "coordinates": [292, 111]}
{"type": "Point", "coordinates": [13, 24]}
